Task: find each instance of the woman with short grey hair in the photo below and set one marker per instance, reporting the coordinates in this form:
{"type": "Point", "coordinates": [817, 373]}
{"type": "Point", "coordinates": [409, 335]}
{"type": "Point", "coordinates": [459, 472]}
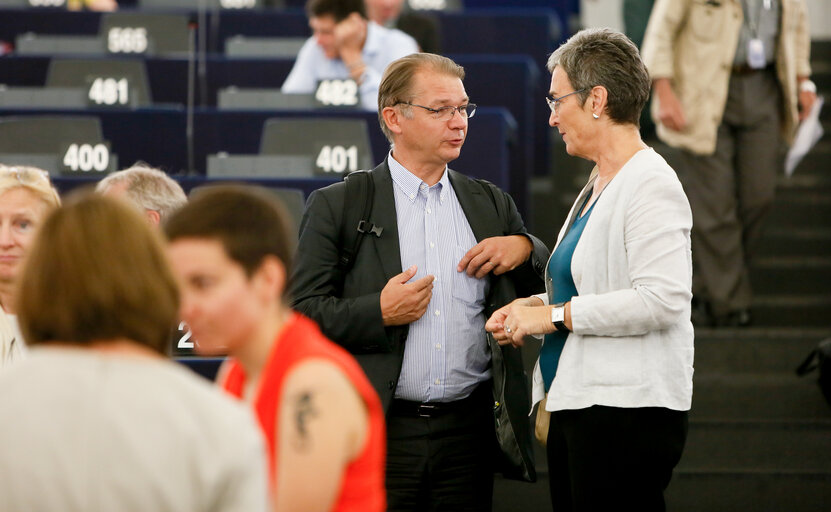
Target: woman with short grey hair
{"type": "Point", "coordinates": [614, 375]}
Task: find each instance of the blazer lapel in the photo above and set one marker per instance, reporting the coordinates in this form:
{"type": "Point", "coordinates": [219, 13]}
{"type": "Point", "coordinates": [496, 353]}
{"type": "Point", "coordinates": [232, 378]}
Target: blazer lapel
{"type": "Point", "coordinates": [476, 203]}
{"type": "Point", "coordinates": [383, 215]}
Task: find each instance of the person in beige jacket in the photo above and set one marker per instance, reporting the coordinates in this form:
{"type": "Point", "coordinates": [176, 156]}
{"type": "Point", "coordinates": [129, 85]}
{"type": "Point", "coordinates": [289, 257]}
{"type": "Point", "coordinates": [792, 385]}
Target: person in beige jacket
{"type": "Point", "coordinates": [730, 82]}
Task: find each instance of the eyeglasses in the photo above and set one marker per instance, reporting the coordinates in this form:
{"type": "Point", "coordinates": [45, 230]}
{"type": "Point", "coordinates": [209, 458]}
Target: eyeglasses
{"type": "Point", "coordinates": [554, 103]}
{"type": "Point", "coordinates": [446, 113]}
{"type": "Point", "coordinates": [26, 175]}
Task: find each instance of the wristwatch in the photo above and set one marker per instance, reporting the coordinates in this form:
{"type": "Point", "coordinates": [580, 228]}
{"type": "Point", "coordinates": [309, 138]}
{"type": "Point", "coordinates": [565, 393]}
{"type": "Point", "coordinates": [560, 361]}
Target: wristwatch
{"type": "Point", "coordinates": [558, 316]}
{"type": "Point", "coordinates": [807, 86]}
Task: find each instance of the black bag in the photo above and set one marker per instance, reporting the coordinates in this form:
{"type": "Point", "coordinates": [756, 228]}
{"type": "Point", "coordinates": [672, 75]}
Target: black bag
{"type": "Point", "coordinates": [819, 359]}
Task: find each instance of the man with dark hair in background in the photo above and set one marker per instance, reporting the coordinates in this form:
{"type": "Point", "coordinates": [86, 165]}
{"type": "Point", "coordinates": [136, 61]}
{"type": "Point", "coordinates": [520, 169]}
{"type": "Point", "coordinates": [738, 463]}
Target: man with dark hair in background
{"type": "Point", "coordinates": [422, 27]}
{"type": "Point", "coordinates": [346, 45]}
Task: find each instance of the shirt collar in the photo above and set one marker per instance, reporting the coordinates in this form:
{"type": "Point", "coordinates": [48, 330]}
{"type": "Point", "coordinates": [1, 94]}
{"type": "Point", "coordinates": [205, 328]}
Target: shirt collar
{"type": "Point", "coordinates": [410, 184]}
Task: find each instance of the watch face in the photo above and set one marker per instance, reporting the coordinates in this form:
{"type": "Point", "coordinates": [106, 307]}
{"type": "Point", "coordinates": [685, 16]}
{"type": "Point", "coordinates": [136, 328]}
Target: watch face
{"type": "Point", "coordinates": [558, 314]}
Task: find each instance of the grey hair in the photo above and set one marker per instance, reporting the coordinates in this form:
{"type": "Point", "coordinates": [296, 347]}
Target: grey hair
{"type": "Point", "coordinates": [604, 57]}
{"type": "Point", "coordinates": [148, 188]}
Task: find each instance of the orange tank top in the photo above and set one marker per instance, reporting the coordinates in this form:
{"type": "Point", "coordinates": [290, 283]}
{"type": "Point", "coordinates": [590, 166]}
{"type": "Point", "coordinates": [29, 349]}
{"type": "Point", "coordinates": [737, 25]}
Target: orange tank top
{"type": "Point", "coordinates": [362, 488]}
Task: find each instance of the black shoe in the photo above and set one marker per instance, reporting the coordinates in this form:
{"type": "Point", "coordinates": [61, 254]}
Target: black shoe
{"type": "Point", "coordinates": [737, 318]}
{"type": "Point", "coordinates": [701, 316]}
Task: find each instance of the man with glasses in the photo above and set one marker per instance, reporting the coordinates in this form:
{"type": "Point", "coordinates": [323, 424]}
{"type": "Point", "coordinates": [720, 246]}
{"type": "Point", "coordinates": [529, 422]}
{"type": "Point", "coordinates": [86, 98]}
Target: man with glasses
{"type": "Point", "coordinates": [445, 252]}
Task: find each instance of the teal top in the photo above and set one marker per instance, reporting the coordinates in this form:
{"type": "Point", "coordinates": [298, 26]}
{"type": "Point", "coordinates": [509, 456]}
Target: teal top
{"type": "Point", "coordinates": [562, 290]}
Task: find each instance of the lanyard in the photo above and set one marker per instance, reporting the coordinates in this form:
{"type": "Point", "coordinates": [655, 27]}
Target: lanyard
{"type": "Point", "coordinates": [751, 23]}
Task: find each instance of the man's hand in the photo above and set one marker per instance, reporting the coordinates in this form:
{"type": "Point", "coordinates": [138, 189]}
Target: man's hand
{"type": "Point", "coordinates": [806, 103]}
{"type": "Point", "coordinates": [670, 112]}
{"type": "Point", "coordinates": [402, 302]}
{"type": "Point", "coordinates": [496, 323]}
{"type": "Point", "coordinates": [498, 254]}
{"type": "Point", "coordinates": [349, 38]}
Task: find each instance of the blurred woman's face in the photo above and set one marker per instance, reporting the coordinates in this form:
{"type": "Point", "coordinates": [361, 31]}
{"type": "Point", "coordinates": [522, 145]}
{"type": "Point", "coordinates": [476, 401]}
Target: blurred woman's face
{"type": "Point", "coordinates": [219, 302]}
{"type": "Point", "coordinates": [21, 212]}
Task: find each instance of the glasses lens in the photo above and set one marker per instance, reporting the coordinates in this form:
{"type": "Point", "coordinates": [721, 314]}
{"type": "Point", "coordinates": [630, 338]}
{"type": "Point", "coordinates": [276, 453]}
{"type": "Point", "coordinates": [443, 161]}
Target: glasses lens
{"type": "Point", "coordinates": [470, 109]}
{"type": "Point", "coordinates": [445, 113]}
{"type": "Point", "coordinates": [551, 103]}
{"type": "Point", "coordinates": [25, 175]}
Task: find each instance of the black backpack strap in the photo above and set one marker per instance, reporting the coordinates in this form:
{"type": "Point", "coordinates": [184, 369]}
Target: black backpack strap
{"type": "Point", "coordinates": [818, 358]}
{"type": "Point", "coordinates": [357, 208]}
{"type": "Point", "coordinates": [487, 185]}
{"type": "Point", "coordinates": [809, 364]}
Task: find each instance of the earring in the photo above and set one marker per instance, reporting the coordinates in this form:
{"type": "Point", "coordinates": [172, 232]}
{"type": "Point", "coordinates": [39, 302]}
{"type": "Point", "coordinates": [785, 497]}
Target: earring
{"type": "Point", "coordinates": [595, 116]}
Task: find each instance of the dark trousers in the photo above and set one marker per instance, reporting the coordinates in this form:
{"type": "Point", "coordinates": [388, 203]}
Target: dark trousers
{"type": "Point", "coordinates": [441, 460]}
{"type": "Point", "coordinates": [609, 458]}
{"type": "Point", "coordinates": [732, 190]}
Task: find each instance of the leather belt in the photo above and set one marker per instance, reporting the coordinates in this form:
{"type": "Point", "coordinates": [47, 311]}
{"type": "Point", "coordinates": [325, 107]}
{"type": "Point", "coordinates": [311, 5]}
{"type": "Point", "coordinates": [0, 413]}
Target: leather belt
{"type": "Point", "coordinates": [480, 397]}
{"type": "Point", "coordinates": [427, 409]}
{"type": "Point", "coordinates": [744, 69]}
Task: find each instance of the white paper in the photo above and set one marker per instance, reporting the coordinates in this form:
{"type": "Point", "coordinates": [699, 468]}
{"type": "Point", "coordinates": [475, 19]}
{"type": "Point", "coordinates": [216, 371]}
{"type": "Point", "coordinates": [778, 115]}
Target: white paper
{"type": "Point", "coordinates": [809, 132]}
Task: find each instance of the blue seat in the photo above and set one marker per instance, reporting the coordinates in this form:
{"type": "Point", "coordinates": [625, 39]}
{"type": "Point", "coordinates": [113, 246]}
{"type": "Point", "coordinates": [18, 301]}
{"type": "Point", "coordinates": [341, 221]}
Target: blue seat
{"type": "Point", "coordinates": [14, 22]}
{"type": "Point", "coordinates": [205, 366]}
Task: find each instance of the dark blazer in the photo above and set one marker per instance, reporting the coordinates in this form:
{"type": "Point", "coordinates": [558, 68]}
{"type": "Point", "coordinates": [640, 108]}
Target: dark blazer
{"type": "Point", "coordinates": [423, 28]}
{"type": "Point", "coordinates": [348, 308]}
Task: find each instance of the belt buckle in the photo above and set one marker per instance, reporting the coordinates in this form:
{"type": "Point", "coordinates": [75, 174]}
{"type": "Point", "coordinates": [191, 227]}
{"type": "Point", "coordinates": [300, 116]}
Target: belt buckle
{"type": "Point", "coordinates": [426, 410]}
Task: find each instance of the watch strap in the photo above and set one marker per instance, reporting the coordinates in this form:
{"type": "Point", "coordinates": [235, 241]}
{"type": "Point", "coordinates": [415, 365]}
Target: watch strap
{"type": "Point", "coordinates": [559, 324]}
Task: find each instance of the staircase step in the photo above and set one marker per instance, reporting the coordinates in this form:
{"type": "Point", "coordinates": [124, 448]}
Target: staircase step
{"type": "Point", "coordinates": [758, 445]}
{"type": "Point", "coordinates": [804, 310]}
{"type": "Point", "coordinates": [814, 163]}
{"type": "Point", "coordinates": [758, 397]}
{"type": "Point", "coordinates": [757, 491]}
{"type": "Point", "coordinates": [754, 350]}
{"type": "Point", "coordinates": [810, 209]}
{"type": "Point", "coordinates": [795, 241]}
{"type": "Point", "coordinates": [791, 274]}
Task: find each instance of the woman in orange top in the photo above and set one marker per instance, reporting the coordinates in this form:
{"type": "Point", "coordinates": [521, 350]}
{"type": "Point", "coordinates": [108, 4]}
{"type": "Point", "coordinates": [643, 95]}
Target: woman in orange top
{"type": "Point", "coordinates": [230, 250]}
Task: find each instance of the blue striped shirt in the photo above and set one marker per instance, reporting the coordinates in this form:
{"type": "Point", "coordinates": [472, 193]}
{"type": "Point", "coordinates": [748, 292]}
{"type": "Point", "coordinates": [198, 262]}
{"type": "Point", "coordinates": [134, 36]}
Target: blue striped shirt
{"type": "Point", "coordinates": [446, 353]}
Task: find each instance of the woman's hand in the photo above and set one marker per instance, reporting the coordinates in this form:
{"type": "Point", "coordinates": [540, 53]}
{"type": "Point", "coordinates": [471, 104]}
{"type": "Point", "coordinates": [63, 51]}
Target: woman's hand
{"type": "Point", "coordinates": [497, 323]}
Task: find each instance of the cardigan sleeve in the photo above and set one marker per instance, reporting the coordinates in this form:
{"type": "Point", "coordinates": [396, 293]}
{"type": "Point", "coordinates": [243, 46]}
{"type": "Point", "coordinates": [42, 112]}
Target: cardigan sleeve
{"type": "Point", "coordinates": [646, 282]}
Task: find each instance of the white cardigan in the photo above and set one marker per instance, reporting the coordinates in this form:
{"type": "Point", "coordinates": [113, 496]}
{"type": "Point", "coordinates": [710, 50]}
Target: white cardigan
{"type": "Point", "coordinates": [632, 343]}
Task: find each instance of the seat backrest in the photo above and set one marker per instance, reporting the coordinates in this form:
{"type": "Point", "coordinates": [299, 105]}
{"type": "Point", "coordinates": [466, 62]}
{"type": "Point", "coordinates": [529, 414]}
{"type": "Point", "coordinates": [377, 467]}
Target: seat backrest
{"type": "Point", "coordinates": [145, 34]}
{"type": "Point", "coordinates": [42, 97]}
{"type": "Point", "coordinates": [108, 82]}
{"type": "Point", "coordinates": [50, 45]}
{"type": "Point", "coordinates": [263, 47]}
{"type": "Point", "coordinates": [228, 5]}
{"type": "Point", "coordinates": [45, 134]}
{"type": "Point", "coordinates": [263, 99]}
{"type": "Point", "coordinates": [335, 145]}
{"type": "Point", "coordinates": [65, 144]}
{"type": "Point", "coordinates": [434, 5]}
{"type": "Point", "coordinates": [47, 4]}
{"type": "Point", "coordinates": [294, 201]}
